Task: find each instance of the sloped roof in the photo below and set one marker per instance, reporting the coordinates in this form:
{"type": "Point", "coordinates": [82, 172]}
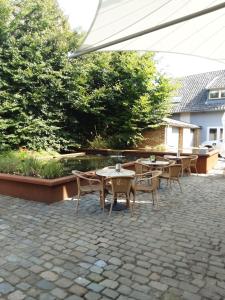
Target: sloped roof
{"type": "Point", "coordinates": [217, 83]}
{"type": "Point", "coordinates": [176, 123]}
{"type": "Point", "coordinates": [194, 92]}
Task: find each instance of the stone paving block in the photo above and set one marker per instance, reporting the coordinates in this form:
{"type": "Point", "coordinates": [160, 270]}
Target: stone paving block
{"type": "Point", "coordinates": [6, 288]}
{"type": "Point", "coordinates": [138, 295]}
{"type": "Point", "coordinates": [95, 287]}
{"type": "Point", "coordinates": [45, 284]}
{"type": "Point", "coordinates": [123, 289]}
{"type": "Point", "coordinates": [115, 261]}
{"type": "Point", "coordinates": [83, 281]}
{"type": "Point", "coordinates": [190, 296]}
{"type": "Point", "coordinates": [139, 279]}
{"type": "Point", "coordinates": [77, 289]}
{"type": "Point", "coordinates": [95, 277]}
{"type": "Point", "coordinates": [46, 296]}
{"type": "Point", "coordinates": [50, 276]}
{"type": "Point", "coordinates": [74, 297]}
{"type": "Point", "coordinates": [188, 287]}
{"type": "Point", "coordinates": [23, 286]}
{"type": "Point", "coordinates": [92, 296]}
{"type": "Point", "coordinates": [59, 293]}
{"type": "Point", "coordinates": [13, 279]}
{"type": "Point", "coordinates": [64, 282]}
{"type": "Point", "coordinates": [111, 294]}
{"type": "Point", "coordinates": [158, 285]}
{"type": "Point", "coordinates": [109, 283]}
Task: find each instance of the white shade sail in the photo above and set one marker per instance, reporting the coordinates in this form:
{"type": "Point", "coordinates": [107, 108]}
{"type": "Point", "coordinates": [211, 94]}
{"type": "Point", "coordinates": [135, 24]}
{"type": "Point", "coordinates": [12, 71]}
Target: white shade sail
{"type": "Point", "coordinates": [172, 26]}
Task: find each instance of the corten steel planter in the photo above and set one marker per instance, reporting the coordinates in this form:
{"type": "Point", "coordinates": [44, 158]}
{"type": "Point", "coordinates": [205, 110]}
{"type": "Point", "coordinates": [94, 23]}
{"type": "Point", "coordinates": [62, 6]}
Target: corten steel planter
{"type": "Point", "coordinates": [37, 189]}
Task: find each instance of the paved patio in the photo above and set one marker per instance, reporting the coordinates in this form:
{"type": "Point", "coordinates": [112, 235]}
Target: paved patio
{"type": "Point", "coordinates": [175, 253]}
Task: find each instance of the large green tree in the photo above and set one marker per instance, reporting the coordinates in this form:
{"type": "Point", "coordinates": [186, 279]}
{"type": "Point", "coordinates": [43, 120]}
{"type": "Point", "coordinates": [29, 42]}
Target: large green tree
{"type": "Point", "coordinates": [35, 42]}
{"type": "Point", "coordinates": [121, 93]}
{"type": "Point", "coordinates": [50, 100]}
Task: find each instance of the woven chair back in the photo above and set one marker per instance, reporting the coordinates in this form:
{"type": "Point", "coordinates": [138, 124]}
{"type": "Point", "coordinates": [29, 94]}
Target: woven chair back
{"type": "Point", "coordinates": [185, 162]}
{"type": "Point", "coordinates": [155, 179]}
{"type": "Point", "coordinates": [140, 168]}
{"type": "Point", "coordinates": [175, 170]}
{"type": "Point", "coordinates": [194, 159]}
{"type": "Point", "coordinates": [121, 184]}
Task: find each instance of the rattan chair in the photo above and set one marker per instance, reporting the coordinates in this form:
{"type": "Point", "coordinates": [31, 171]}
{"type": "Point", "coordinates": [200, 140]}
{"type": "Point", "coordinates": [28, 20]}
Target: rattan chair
{"type": "Point", "coordinates": [193, 164]}
{"type": "Point", "coordinates": [141, 168]}
{"type": "Point", "coordinates": [148, 183]}
{"type": "Point", "coordinates": [186, 165]}
{"type": "Point", "coordinates": [121, 185]}
{"type": "Point", "coordinates": [87, 184]}
{"type": "Point", "coordinates": [172, 174]}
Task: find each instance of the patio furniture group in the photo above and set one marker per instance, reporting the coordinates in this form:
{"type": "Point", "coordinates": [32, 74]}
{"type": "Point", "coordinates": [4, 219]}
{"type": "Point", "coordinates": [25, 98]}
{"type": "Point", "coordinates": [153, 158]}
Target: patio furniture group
{"type": "Point", "coordinates": [145, 177]}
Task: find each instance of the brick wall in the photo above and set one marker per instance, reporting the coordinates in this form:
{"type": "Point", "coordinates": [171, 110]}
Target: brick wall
{"type": "Point", "coordinates": [153, 137]}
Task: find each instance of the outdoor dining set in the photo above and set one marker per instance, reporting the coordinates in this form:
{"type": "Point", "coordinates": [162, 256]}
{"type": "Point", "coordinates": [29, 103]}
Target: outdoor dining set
{"type": "Point", "coordinates": [141, 175]}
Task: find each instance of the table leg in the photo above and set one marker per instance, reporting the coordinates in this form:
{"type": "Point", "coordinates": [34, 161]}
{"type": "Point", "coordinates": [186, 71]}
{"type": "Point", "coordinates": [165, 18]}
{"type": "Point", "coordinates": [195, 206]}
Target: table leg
{"type": "Point", "coordinates": [102, 199]}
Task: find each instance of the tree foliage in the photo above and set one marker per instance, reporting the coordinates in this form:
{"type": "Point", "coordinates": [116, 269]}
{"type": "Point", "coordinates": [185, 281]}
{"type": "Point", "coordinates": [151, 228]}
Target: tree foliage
{"type": "Point", "coordinates": [122, 93]}
{"type": "Point", "coordinates": [49, 100]}
{"type": "Point", "coordinates": [33, 66]}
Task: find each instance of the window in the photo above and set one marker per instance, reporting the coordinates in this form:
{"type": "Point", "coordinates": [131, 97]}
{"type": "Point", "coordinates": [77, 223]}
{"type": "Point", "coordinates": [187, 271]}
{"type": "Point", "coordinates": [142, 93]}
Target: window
{"type": "Point", "coordinates": [217, 94]}
{"type": "Point", "coordinates": [215, 133]}
{"type": "Point", "coordinates": [213, 94]}
{"type": "Point", "coordinates": [223, 94]}
{"type": "Point", "coordinates": [212, 134]}
{"type": "Point", "coordinates": [221, 133]}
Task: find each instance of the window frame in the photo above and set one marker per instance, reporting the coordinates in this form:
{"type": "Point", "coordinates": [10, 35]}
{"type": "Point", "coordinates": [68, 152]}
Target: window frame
{"type": "Point", "coordinates": [218, 132]}
{"type": "Point", "coordinates": [219, 91]}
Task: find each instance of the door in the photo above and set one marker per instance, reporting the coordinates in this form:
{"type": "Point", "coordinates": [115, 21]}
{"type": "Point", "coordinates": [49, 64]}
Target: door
{"type": "Point", "coordinates": [173, 137]}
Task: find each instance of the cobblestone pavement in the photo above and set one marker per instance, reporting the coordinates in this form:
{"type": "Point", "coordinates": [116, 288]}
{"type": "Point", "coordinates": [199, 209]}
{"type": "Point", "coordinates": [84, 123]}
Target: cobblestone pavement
{"type": "Point", "coordinates": [177, 252]}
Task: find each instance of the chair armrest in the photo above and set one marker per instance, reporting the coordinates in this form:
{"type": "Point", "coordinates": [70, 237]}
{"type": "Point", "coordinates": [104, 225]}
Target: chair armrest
{"type": "Point", "coordinates": [85, 177]}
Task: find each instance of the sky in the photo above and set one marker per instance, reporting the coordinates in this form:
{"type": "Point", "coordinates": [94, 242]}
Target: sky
{"type": "Point", "coordinates": [80, 14]}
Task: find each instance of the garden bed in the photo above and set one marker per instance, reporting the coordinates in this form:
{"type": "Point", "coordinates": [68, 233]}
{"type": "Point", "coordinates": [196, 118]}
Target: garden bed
{"type": "Point", "coordinates": [37, 189]}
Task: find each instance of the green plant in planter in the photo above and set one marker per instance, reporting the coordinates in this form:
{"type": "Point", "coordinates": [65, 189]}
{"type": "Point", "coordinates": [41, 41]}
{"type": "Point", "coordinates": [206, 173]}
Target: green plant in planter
{"type": "Point", "coordinates": [30, 166]}
{"type": "Point", "coordinates": [51, 169]}
{"type": "Point", "coordinates": [9, 163]}
{"type": "Point", "coordinates": [27, 164]}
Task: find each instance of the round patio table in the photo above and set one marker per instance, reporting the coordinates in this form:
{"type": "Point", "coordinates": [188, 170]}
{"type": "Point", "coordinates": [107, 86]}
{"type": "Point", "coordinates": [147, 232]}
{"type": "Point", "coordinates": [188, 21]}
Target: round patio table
{"type": "Point", "coordinates": [175, 157]}
{"type": "Point", "coordinates": [111, 172]}
{"type": "Point", "coordinates": [157, 163]}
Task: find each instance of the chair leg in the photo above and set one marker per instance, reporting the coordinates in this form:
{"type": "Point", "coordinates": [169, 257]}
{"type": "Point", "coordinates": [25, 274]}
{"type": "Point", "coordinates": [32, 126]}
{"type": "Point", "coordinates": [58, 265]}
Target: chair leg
{"type": "Point", "coordinates": [114, 196]}
{"type": "Point", "coordinates": [78, 200]}
{"type": "Point", "coordinates": [179, 185]}
{"type": "Point", "coordinates": [134, 198]}
{"type": "Point", "coordinates": [196, 171]}
{"type": "Point", "coordinates": [102, 201]}
{"type": "Point", "coordinates": [153, 199]}
{"type": "Point", "coordinates": [111, 206]}
{"type": "Point", "coordinates": [170, 184]}
{"type": "Point", "coordinates": [189, 171]}
{"type": "Point", "coordinates": [157, 199]}
{"type": "Point", "coordinates": [129, 204]}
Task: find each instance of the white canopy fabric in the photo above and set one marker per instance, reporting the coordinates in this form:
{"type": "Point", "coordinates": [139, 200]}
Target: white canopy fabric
{"type": "Point", "coordinates": [167, 24]}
